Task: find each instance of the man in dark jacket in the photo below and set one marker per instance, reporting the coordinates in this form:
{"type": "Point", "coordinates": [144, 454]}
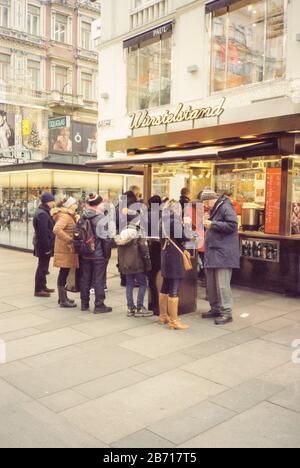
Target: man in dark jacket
{"type": "Point", "coordinates": [43, 243]}
{"type": "Point", "coordinates": [222, 255]}
{"type": "Point", "coordinates": [94, 264]}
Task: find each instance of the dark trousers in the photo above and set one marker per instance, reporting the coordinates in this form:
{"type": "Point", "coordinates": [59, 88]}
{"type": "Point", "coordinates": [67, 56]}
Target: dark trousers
{"type": "Point", "coordinates": [93, 274]}
{"type": "Point", "coordinates": [171, 287]}
{"type": "Point", "coordinates": [154, 293]}
{"type": "Point", "coordinates": [63, 276]}
{"type": "Point", "coordinates": [41, 274]}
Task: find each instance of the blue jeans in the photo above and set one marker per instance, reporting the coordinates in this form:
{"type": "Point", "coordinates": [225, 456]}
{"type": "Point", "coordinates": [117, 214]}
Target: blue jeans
{"type": "Point", "coordinates": [171, 287]}
{"type": "Point", "coordinates": [141, 279]}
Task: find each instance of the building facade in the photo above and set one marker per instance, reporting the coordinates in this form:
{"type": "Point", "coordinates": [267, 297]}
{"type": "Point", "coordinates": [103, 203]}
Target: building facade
{"type": "Point", "coordinates": [156, 54]}
{"type": "Point", "coordinates": [202, 93]}
{"type": "Point", "coordinates": [48, 68]}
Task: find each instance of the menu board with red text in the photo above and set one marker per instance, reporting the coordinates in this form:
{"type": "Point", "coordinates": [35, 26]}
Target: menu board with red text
{"type": "Point", "coordinates": [273, 197]}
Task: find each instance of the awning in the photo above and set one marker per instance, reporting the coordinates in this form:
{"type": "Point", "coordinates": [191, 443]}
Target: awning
{"type": "Point", "coordinates": [155, 32]}
{"type": "Point", "coordinates": [206, 153]}
{"type": "Point", "coordinates": [214, 5]}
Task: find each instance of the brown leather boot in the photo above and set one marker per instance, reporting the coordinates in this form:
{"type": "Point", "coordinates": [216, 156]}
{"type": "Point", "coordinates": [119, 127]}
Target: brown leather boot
{"type": "Point", "coordinates": [163, 309]}
{"type": "Point", "coordinates": [175, 323]}
{"type": "Point", "coordinates": [42, 294]}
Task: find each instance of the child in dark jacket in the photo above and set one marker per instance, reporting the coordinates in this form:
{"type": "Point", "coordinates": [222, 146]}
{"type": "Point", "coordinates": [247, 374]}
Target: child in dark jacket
{"type": "Point", "coordinates": [134, 263]}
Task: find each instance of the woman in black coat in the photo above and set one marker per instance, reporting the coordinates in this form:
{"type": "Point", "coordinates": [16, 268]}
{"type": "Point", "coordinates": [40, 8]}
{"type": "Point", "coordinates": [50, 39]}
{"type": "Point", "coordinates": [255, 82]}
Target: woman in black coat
{"type": "Point", "coordinates": [175, 233]}
{"type": "Point", "coordinates": [153, 232]}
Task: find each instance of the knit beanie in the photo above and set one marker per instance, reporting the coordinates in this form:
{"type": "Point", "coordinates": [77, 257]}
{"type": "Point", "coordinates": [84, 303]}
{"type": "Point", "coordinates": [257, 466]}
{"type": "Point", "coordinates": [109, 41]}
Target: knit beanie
{"type": "Point", "coordinates": [47, 198]}
{"type": "Point", "coordinates": [94, 199]}
{"type": "Point", "coordinates": [70, 202]}
{"type": "Point", "coordinates": [209, 194]}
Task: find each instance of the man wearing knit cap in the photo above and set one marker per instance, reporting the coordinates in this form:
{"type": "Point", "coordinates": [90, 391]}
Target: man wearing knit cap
{"type": "Point", "coordinates": [222, 254]}
{"type": "Point", "coordinates": [94, 264]}
{"type": "Point", "coordinates": [43, 243]}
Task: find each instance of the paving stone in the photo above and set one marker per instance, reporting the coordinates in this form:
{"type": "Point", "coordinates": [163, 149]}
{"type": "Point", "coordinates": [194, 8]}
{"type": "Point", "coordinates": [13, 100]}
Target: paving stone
{"type": "Point", "coordinates": [264, 426]}
{"type": "Point", "coordinates": [34, 426]}
{"type": "Point", "coordinates": [275, 324]}
{"type": "Point", "coordinates": [191, 422]}
{"type": "Point", "coordinates": [63, 400]}
{"type": "Point", "coordinates": [281, 303]}
{"type": "Point", "coordinates": [237, 365]}
{"type": "Point", "coordinates": [18, 323]}
{"type": "Point", "coordinates": [25, 347]}
{"type": "Point", "coordinates": [218, 378]}
{"type": "Point", "coordinates": [244, 336]}
{"type": "Point", "coordinates": [143, 439]}
{"type": "Point", "coordinates": [167, 341]}
{"type": "Point", "coordinates": [110, 383]}
{"type": "Point", "coordinates": [10, 396]}
{"type": "Point", "coordinates": [164, 364]}
{"type": "Point", "coordinates": [284, 375]}
{"type": "Point", "coordinates": [208, 348]}
{"type": "Point", "coordinates": [64, 374]}
{"type": "Point", "coordinates": [133, 409]}
{"type": "Point", "coordinates": [6, 308]}
{"type": "Point", "coordinates": [247, 395]}
{"type": "Point", "coordinates": [288, 398]}
{"type": "Point", "coordinates": [293, 316]}
{"type": "Point", "coordinates": [16, 335]}
{"type": "Point", "coordinates": [286, 336]}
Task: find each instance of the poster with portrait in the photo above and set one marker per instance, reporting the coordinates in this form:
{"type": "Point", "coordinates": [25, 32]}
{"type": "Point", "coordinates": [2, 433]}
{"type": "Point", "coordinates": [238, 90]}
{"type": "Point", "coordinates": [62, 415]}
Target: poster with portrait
{"type": "Point", "coordinates": [79, 138]}
{"type": "Point", "coordinates": [7, 130]}
{"type": "Point", "coordinates": [60, 140]}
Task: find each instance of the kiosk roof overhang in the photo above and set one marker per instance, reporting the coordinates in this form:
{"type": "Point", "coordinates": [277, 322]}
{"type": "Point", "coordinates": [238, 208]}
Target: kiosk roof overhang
{"type": "Point", "coordinates": [207, 153]}
{"type": "Point", "coordinates": [219, 134]}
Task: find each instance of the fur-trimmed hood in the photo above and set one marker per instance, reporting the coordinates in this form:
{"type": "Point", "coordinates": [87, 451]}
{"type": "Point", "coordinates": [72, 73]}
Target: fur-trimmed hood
{"type": "Point", "coordinates": [127, 236]}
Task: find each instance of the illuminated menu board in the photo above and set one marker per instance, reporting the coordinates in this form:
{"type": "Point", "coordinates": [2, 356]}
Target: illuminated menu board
{"type": "Point", "coordinates": [273, 197]}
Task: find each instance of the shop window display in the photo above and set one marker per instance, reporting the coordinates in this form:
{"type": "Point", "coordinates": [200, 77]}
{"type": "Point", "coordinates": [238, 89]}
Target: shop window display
{"type": "Point", "coordinates": [248, 43]}
{"type": "Point", "coordinates": [20, 197]}
{"type": "Point", "coordinates": [18, 210]}
{"type": "Point", "coordinates": [149, 73]}
{"type": "Point", "coordinates": [4, 209]}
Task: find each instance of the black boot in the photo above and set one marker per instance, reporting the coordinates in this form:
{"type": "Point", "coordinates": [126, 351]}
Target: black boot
{"type": "Point", "coordinates": [85, 306]}
{"type": "Point", "coordinates": [102, 309]}
{"type": "Point", "coordinates": [211, 315]}
{"type": "Point", "coordinates": [63, 299]}
{"type": "Point", "coordinates": [223, 320]}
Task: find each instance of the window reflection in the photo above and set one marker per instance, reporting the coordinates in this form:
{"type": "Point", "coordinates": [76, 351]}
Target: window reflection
{"type": "Point", "coordinates": [248, 43]}
{"type": "Point", "coordinates": [149, 73]}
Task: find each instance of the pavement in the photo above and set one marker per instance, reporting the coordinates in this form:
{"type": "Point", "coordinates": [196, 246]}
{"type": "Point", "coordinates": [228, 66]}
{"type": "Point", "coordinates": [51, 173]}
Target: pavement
{"type": "Point", "coordinates": [73, 379]}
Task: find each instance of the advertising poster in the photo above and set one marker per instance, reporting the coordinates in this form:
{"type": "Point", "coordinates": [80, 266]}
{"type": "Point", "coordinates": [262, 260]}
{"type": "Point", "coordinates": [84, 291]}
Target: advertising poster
{"type": "Point", "coordinates": [295, 220]}
{"type": "Point", "coordinates": [78, 138]}
{"type": "Point", "coordinates": [273, 196]}
{"type": "Point", "coordinates": [7, 130]}
{"type": "Point", "coordinates": [260, 187]}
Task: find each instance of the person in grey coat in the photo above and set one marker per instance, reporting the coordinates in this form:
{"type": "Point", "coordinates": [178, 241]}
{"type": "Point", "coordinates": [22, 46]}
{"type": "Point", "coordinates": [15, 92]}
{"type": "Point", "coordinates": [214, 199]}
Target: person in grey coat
{"type": "Point", "coordinates": [222, 255]}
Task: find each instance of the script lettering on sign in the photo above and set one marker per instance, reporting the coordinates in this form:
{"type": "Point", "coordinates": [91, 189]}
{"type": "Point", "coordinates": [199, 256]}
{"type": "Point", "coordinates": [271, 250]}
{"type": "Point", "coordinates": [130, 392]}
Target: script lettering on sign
{"type": "Point", "coordinates": [143, 119]}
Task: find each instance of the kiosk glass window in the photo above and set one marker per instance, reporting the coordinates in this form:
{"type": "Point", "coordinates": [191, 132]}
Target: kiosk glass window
{"type": "Point", "coordinates": [149, 73]}
{"type": "Point", "coordinates": [19, 214]}
{"type": "Point", "coordinates": [248, 43]}
{"type": "Point", "coordinates": [75, 184]}
{"type": "Point", "coordinates": [4, 209]}
{"type": "Point", "coordinates": [38, 182]}
{"type": "Point", "coordinates": [111, 187]}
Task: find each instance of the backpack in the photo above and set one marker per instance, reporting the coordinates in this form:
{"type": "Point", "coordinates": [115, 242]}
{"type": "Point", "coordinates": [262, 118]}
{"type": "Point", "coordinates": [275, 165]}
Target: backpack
{"type": "Point", "coordinates": [84, 237]}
